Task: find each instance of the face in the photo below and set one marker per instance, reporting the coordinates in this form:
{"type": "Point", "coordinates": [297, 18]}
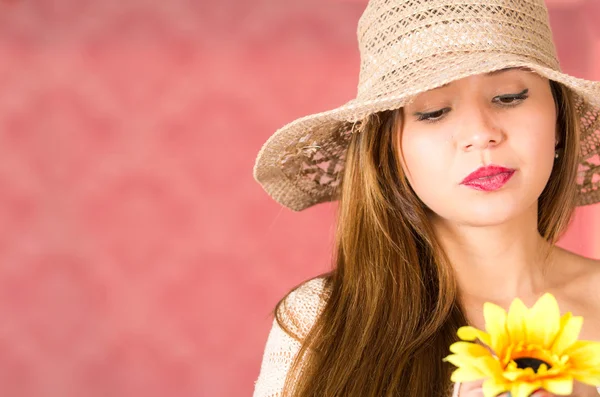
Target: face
{"type": "Point", "coordinates": [506, 119]}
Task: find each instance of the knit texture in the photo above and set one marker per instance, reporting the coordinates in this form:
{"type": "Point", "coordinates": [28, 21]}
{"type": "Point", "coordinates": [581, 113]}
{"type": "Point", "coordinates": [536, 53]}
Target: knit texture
{"type": "Point", "coordinates": [299, 312]}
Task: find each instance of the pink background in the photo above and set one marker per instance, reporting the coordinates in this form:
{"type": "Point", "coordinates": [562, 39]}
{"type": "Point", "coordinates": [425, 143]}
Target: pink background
{"type": "Point", "coordinates": [137, 255]}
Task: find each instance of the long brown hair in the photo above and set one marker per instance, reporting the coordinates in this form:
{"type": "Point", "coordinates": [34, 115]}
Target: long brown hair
{"type": "Point", "coordinates": [393, 305]}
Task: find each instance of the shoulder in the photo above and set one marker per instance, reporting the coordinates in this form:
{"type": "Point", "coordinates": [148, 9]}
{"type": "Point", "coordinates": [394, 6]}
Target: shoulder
{"type": "Point", "coordinates": [576, 265]}
{"type": "Point", "coordinates": [591, 271]}
{"type": "Point", "coordinates": [302, 306]}
{"type": "Point", "coordinates": [298, 312]}
{"type": "Point", "coordinates": [577, 277]}
{"type": "Point", "coordinates": [578, 292]}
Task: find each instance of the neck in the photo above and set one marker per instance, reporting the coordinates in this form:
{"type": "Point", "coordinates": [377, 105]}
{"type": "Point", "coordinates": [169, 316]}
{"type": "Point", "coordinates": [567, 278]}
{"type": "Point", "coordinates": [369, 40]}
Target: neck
{"type": "Point", "coordinates": [497, 262]}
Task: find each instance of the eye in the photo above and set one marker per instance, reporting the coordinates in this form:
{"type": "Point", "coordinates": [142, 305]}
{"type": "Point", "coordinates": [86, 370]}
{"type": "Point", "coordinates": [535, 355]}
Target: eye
{"type": "Point", "coordinates": [432, 117]}
{"type": "Point", "coordinates": [512, 99]}
{"type": "Point", "coordinates": [504, 100]}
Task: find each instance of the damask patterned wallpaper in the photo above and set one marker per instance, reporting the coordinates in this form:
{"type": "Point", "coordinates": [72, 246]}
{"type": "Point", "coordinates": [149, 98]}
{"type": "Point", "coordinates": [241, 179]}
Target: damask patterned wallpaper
{"type": "Point", "coordinates": [137, 255]}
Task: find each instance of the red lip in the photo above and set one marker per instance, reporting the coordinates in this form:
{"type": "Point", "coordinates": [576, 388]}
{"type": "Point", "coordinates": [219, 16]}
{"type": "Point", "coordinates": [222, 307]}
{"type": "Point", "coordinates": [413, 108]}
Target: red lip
{"type": "Point", "coordinates": [488, 178]}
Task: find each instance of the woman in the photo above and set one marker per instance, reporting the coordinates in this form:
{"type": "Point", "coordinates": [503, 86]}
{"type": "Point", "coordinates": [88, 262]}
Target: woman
{"type": "Point", "coordinates": [457, 168]}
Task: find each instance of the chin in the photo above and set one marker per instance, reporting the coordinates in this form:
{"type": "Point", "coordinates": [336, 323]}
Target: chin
{"type": "Point", "coordinates": [481, 213]}
{"type": "Point", "coordinates": [493, 212]}
{"type": "Point", "coordinates": [484, 218]}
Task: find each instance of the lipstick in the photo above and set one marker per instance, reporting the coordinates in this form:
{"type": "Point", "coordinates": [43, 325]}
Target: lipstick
{"type": "Point", "coordinates": [489, 178]}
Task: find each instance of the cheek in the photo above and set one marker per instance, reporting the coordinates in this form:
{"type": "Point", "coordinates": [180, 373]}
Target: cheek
{"type": "Point", "coordinates": [534, 148]}
{"type": "Point", "coordinates": [534, 129]}
{"type": "Point", "coordinates": [534, 143]}
{"type": "Point", "coordinates": [426, 159]}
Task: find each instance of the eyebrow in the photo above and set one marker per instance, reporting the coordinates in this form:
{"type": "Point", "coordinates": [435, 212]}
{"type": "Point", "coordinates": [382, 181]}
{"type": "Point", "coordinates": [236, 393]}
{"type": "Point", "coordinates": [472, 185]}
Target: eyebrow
{"type": "Point", "coordinates": [496, 72]}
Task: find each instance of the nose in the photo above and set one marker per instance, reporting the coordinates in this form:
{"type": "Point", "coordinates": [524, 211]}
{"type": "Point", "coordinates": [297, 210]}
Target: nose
{"type": "Point", "coordinates": [480, 131]}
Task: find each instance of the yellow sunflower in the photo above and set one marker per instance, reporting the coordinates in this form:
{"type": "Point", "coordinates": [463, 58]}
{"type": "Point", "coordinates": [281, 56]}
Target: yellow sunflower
{"type": "Point", "coordinates": [525, 350]}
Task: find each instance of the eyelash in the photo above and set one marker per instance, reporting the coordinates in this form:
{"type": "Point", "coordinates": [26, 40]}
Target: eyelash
{"type": "Point", "coordinates": [517, 99]}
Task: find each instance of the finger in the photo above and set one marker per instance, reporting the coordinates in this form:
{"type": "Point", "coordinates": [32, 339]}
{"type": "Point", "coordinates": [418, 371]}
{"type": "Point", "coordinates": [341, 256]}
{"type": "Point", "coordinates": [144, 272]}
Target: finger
{"type": "Point", "coordinates": [470, 388]}
{"type": "Point", "coordinates": [542, 393]}
{"type": "Point", "coordinates": [581, 389]}
{"type": "Point", "coordinates": [539, 393]}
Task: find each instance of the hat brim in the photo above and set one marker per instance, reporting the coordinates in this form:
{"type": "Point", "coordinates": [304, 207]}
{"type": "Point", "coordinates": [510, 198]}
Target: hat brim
{"type": "Point", "coordinates": [313, 130]}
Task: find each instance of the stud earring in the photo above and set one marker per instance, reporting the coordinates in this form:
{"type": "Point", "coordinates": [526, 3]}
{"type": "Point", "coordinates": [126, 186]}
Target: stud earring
{"type": "Point", "coordinates": [556, 155]}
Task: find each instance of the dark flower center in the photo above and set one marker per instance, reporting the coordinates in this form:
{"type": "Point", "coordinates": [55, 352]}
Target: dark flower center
{"type": "Point", "coordinates": [533, 363]}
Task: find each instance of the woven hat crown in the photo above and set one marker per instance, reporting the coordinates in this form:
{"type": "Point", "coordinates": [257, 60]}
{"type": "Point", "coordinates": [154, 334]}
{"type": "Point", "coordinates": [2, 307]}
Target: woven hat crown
{"type": "Point", "coordinates": [399, 41]}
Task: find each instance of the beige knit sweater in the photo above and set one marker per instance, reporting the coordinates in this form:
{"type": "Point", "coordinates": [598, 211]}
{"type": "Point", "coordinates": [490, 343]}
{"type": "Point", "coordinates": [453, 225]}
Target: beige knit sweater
{"type": "Point", "coordinates": [299, 311]}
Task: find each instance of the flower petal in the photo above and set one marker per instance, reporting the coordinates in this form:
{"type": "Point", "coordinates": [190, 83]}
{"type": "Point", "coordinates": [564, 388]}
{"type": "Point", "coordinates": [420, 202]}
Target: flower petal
{"type": "Point", "coordinates": [589, 377]}
{"type": "Point", "coordinates": [513, 373]}
{"type": "Point", "coordinates": [467, 374]}
{"type": "Point", "coordinates": [562, 386]}
{"type": "Point", "coordinates": [471, 369]}
{"type": "Point", "coordinates": [475, 367]}
{"type": "Point", "coordinates": [469, 348]}
{"type": "Point", "coordinates": [524, 389]}
{"type": "Point", "coordinates": [459, 360]}
{"type": "Point", "coordinates": [494, 387]}
{"type": "Point", "coordinates": [569, 332]}
{"type": "Point", "coordinates": [516, 321]}
{"type": "Point", "coordinates": [471, 333]}
{"type": "Point", "coordinates": [543, 321]}
{"type": "Point", "coordinates": [495, 325]}
{"type": "Point", "coordinates": [584, 355]}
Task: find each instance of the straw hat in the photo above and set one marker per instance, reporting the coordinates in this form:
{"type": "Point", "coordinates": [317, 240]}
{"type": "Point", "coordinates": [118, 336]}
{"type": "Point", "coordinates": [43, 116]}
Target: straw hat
{"type": "Point", "coordinates": [411, 46]}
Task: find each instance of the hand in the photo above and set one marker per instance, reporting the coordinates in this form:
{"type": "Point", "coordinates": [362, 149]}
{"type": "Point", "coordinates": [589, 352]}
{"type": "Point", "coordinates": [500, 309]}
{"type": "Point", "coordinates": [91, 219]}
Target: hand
{"type": "Point", "coordinates": [473, 389]}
